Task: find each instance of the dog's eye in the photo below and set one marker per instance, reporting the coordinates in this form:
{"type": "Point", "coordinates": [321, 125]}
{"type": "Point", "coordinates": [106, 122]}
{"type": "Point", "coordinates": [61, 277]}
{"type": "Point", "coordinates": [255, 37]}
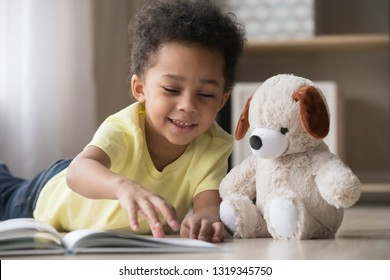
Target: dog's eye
{"type": "Point", "coordinates": [284, 130]}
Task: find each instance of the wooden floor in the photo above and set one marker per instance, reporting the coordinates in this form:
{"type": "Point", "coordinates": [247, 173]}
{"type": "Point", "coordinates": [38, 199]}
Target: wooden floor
{"type": "Point", "coordinates": [363, 235]}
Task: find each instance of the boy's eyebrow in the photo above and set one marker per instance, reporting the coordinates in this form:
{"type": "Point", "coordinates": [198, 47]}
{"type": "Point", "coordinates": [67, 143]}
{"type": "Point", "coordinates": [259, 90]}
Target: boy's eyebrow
{"type": "Point", "coordinates": [203, 81]}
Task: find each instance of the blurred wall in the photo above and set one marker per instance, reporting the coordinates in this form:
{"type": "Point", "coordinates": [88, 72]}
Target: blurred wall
{"type": "Point", "coordinates": [111, 19]}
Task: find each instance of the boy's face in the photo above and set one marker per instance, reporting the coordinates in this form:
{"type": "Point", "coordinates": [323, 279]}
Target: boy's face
{"type": "Point", "coordinates": [182, 91]}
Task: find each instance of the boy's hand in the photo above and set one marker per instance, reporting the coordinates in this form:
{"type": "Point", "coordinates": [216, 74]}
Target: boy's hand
{"type": "Point", "coordinates": [198, 227]}
{"type": "Point", "coordinates": [204, 223]}
{"type": "Point", "coordinates": [137, 200]}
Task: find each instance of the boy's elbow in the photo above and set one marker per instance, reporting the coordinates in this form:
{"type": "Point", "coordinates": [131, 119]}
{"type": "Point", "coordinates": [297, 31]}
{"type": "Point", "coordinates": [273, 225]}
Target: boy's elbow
{"type": "Point", "coordinates": [71, 175]}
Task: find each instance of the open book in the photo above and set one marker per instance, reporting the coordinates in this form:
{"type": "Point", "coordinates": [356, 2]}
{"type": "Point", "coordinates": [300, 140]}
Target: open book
{"type": "Point", "coordinates": [27, 236]}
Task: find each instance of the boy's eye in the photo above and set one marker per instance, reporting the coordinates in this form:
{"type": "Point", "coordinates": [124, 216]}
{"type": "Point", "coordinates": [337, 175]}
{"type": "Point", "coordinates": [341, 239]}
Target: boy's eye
{"type": "Point", "coordinates": [206, 95]}
{"type": "Point", "coordinates": [170, 90]}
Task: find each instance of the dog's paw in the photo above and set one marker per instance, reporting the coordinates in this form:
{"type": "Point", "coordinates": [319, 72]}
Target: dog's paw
{"type": "Point", "coordinates": [283, 217]}
{"type": "Point", "coordinates": [228, 216]}
{"type": "Point", "coordinates": [347, 195]}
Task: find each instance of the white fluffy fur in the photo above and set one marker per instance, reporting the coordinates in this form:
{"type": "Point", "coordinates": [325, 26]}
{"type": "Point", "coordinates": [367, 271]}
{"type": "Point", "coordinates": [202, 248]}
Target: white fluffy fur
{"type": "Point", "coordinates": [283, 217]}
{"type": "Point", "coordinates": [299, 194]}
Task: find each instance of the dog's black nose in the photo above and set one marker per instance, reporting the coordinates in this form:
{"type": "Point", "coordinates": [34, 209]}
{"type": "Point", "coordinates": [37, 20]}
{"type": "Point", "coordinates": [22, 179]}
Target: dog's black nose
{"type": "Point", "coordinates": [255, 142]}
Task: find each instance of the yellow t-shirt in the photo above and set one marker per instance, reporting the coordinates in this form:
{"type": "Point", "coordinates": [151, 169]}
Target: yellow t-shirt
{"type": "Point", "coordinates": [121, 136]}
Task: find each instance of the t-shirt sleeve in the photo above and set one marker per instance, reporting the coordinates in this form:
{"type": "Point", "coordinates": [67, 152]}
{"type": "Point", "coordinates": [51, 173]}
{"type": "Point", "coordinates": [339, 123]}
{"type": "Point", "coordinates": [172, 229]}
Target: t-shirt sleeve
{"type": "Point", "coordinates": [118, 139]}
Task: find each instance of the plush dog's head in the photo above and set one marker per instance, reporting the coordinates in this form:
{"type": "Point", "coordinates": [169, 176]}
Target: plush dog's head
{"type": "Point", "coordinates": [287, 114]}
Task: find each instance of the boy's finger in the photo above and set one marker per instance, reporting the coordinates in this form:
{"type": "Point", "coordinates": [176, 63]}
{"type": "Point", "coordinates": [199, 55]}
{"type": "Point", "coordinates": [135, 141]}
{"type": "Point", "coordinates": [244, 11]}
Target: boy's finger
{"type": "Point", "coordinates": [151, 215]}
{"type": "Point", "coordinates": [157, 230]}
{"type": "Point", "coordinates": [218, 235]}
{"type": "Point", "coordinates": [194, 228]}
{"type": "Point", "coordinates": [205, 232]}
{"type": "Point", "coordinates": [169, 213]}
{"type": "Point", "coordinates": [185, 229]}
{"type": "Point", "coordinates": [133, 217]}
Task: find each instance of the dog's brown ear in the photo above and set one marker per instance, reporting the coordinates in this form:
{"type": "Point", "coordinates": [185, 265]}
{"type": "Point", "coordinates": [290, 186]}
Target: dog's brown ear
{"type": "Point", "coordinates": [313, 111]}
{"type": "Point", "coordinates": [243, 123]}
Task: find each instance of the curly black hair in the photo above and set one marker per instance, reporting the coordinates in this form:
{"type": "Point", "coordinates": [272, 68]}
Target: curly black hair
{"type": "Point", "coordinates": [198, 22]}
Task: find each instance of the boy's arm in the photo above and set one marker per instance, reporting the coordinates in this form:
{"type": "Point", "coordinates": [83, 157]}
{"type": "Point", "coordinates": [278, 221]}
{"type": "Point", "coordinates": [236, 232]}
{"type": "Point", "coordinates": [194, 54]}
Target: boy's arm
{"type": "Point", "coordinates": [90, 176]}
{"type": "Point", "coordinates": [204, 223]}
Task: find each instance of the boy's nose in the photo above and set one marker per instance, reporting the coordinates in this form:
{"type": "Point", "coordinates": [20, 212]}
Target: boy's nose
{"type": "Point", "coordinates": [187, 103]}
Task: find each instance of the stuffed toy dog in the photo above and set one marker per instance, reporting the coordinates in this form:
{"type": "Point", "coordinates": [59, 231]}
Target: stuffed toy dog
{"type": "Point", "coordinates": [292, 187]}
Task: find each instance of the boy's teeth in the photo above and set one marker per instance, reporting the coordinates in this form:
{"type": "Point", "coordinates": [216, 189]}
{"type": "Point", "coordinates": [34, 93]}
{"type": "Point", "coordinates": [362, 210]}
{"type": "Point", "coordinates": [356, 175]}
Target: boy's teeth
{"type": "Point", "coordinates": [181, 123]}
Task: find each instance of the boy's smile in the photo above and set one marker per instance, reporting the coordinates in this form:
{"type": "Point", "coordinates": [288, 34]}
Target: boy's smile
{"type": "Point", "coordinates": [183, 92]}
{"type": "Point", "coordinates": [182, 125]}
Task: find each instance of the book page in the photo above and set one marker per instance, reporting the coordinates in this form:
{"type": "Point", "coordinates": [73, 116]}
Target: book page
{"type": "Point", "coordinates": [29, 236]}
{"type": "Point", "coordinates": [26, 223]}
{"type": "Point", "coordinates": [93, 241]}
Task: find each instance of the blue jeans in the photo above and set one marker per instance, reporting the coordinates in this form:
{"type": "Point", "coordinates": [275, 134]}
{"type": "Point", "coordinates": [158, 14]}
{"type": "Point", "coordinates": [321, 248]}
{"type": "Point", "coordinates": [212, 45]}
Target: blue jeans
{"type": "Point", "coordinates": [18, 197]}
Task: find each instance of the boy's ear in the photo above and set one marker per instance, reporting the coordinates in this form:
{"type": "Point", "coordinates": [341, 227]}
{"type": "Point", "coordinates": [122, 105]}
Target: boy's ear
{"type": "Point", "coordinates": [225, 98]}
{"type": "Point", "coordinates": [137, 88]}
